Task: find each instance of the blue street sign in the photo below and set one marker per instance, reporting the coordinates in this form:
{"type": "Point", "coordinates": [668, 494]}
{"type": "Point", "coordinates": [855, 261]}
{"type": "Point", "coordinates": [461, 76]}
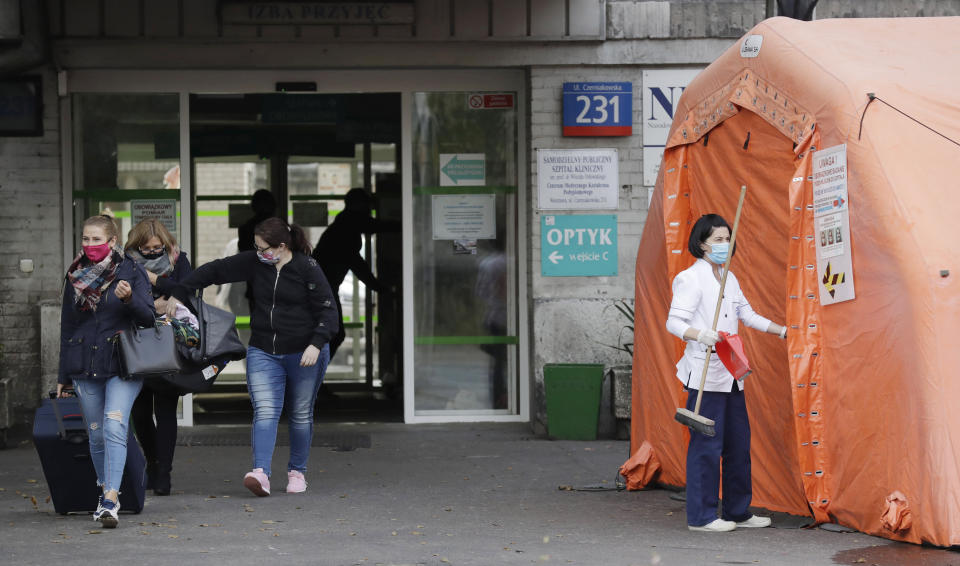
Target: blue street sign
{"type": "Point", "coordinates": [581, 245]}
{"type": "Point", "coordinates": [597, 109]}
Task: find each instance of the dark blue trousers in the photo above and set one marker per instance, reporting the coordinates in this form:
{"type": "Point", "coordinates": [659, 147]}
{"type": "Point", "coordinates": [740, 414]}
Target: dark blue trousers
{"type": "Point", "coordinates": [731, 445]}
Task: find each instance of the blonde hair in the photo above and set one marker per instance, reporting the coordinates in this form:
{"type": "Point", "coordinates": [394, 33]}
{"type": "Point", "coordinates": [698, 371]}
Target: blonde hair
{"type": "Point", "coordinates": [103, 222]}
{"type": "Point", "coordinates": [149, 228]}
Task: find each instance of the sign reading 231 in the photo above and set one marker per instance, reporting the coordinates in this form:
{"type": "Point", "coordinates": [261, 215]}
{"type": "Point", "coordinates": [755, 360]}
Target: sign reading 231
{"type": "Point", "coordinates": [597, 109]}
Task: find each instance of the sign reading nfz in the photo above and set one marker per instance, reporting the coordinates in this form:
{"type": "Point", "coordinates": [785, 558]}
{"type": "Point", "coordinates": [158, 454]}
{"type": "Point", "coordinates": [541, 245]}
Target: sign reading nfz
{"type": "Point", "coordinates": [317, 13]}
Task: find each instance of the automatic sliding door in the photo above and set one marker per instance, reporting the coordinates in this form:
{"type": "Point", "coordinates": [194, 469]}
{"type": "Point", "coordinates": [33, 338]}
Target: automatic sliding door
{"type": "Point", "coordinates": [465, 263]}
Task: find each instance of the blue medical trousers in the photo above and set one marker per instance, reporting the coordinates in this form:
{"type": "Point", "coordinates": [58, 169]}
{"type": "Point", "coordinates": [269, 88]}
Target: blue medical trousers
{"type": "Point", "coordinates": [731, 445]}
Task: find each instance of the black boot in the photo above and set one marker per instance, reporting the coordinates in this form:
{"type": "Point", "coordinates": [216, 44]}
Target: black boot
{"type": "Point", "coordinates": [151, 475]}
{"type": "Point", "coordinates": [162, 484]}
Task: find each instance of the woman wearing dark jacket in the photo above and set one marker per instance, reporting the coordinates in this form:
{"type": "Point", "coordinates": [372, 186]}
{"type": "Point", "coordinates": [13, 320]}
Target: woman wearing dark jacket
{"type": "Point", "coordinates": [105, 292]}
{"type": "Point", "coordinates": [151, 245]}
{"type": "Point", "coordinates": [293, 319]}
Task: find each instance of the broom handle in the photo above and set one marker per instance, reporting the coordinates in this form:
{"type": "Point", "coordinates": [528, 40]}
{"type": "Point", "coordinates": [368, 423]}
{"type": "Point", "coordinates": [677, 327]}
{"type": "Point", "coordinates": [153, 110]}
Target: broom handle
{"type": "Point", "coordinates": [723, 283]}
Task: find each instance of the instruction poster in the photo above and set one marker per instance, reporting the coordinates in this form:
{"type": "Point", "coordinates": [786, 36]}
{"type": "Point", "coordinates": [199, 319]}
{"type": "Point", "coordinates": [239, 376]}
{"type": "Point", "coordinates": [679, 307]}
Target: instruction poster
{"type": "Point", "coordinates": [831, 212]}
{"type": "Point", "coordinates": [163, 210]}
{"type": "Point", "coordinates": [464, 217]}
{"type": "Point", "coordinates": [578, 179]}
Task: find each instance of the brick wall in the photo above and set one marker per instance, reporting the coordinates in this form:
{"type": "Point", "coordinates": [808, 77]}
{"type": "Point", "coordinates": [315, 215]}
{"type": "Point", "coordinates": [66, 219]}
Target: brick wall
{"type": "Point", "coordinates": [574, 318]}
{"type": "Point", "coordinates": [30, 228]}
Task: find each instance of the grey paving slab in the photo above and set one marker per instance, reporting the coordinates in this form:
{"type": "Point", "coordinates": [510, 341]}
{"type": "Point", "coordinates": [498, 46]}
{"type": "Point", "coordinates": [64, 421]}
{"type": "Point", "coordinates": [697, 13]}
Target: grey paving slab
{"type": "Point", "coordinates": [466, 494]}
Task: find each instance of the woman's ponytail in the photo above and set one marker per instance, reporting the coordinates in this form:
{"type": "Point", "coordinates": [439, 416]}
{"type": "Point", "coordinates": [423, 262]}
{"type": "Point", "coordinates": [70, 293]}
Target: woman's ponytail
{"type": "Point", "coordinates": [298, 240]}
{"type": "Point", "coordinates": [276, 231]}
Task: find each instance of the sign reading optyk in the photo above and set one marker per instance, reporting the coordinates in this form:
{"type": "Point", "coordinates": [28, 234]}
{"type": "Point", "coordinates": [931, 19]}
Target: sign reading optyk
{"type": "Point", "coordinates": [597, 109]}
{"type": "Point", "coordinates": [574, 179]}
{"type": "Point", "coordinates": [581, 245]}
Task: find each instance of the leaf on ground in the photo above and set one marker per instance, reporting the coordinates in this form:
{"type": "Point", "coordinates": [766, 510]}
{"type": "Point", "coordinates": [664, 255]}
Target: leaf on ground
{"type": "Point", "coordinates": [565, 487]}
{"type": "Point", "coordinates": [34, 501]}
{"type": "Point", "coordinates": [47, 500]}
{"type": "Point", "coordinates": [276, 534]}
{"type": "Point", "coordinates": [267, 522]}
{"type": "Point", "coordinates": [94, 532]}
{"type": "Point", "coordinates": [173, 536]}
{"type": "Point", "coordinates": [31, 481]}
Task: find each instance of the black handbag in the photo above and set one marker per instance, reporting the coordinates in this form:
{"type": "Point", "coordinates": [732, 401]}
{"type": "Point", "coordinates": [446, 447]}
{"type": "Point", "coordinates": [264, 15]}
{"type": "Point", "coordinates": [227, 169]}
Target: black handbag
{"type": "Point", "coordinates": [148, 352]}
{"type": "Point", "coordinates": [219, 339]}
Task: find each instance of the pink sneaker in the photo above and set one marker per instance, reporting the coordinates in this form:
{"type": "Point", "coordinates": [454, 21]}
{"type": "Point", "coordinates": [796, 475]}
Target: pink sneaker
{"type": "Point", "coordinates": [296, 483]}
{"type": "Point", "coordinates": [257, 482]}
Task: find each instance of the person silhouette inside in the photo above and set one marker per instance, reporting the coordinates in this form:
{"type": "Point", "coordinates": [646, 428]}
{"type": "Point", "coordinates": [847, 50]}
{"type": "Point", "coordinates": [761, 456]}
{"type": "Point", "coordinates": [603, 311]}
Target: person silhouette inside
{"type": "Point", "coordinates": [338, 249]}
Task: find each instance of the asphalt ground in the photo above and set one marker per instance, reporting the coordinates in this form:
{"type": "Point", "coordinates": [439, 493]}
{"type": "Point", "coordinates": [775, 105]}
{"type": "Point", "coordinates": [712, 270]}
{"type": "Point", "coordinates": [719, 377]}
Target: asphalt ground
{"type": "Point", "coordinates": [396, 494]}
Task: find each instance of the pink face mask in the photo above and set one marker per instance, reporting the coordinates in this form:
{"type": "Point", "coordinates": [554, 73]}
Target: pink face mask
{"type": "Point", "coordinates": [97, 253]}
{"type": "Point", "coordinates": [267, 257]}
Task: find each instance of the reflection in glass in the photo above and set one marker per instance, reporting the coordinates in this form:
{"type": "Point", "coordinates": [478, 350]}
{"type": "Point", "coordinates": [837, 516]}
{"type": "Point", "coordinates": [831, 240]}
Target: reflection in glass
{"type": "Point", "coordinates": [464, 289]}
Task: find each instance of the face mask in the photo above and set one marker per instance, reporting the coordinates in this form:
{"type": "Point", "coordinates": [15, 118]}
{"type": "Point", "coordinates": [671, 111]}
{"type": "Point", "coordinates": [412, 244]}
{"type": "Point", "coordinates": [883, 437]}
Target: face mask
{"type": "Point", "coordinates": [719, 253]}
{"type": "Point", "coordinates": [267, 257]}
{"type": "Point", "coordinates": [97, 253]}
{"type": "Point", "coordinates": [153, 255]}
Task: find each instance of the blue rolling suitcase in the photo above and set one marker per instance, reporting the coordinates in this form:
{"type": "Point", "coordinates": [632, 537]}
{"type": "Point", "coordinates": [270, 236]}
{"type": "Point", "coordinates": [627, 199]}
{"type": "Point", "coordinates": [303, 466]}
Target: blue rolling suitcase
{"type": "Point", "coordinates": [60, 435]}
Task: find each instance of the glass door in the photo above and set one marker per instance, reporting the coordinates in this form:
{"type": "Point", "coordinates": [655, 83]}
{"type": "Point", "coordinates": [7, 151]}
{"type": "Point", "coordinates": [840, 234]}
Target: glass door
{"type": "Point", "coordinates": [464, 206]}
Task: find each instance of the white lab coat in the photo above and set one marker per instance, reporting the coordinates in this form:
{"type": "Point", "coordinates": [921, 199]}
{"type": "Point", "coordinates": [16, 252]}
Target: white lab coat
{"type": "Point", "coordinates": [694, 301]}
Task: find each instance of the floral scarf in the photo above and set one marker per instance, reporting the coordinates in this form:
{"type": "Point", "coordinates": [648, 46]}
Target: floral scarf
{"type": "Point", "coordinates": [90, 279]}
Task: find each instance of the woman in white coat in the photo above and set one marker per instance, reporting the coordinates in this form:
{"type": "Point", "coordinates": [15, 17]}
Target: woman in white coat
{"type": "Point", "coordinates": [691, 315]}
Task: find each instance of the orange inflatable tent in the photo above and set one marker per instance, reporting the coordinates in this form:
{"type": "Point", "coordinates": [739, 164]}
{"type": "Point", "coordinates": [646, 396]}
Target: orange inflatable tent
{"type": "Point", "coordinates": [854, 417]}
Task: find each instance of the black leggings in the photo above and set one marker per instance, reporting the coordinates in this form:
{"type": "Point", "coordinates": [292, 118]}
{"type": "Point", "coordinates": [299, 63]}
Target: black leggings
{"type": "Point", "coordinates": [158, 441]}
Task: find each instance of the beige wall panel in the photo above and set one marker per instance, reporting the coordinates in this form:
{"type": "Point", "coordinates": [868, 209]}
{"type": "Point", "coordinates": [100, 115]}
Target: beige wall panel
{"type": "Point", "coordinates": [395, 32]}
{"type": "Point", "coordinates": [546, 18]}
{"type": "Point", "coordinates": [356, 32]}
{"type": "Point", "coordinates": [121, 18]}
{"type": "Point", "coordinates": [278, 32]}
{"type": "Point", "coordinates": [161, 18]}
{"type": "Point", "coordinates": [317, 32]}
{"type": "Point", "coordinates": [82, 18]}
{"type": "Point", "coordinates": [239, 31]}
{"type": "Point", "coordinates": [585, 18]}
{"type": "Point", "coordinates": [200, 18]}
{"type": "Point", "coordinates": [471, 19]}
{"type": "Point", "coordinates": [509, 18]}
{"type": "Point", "coordinates": [433, 19]}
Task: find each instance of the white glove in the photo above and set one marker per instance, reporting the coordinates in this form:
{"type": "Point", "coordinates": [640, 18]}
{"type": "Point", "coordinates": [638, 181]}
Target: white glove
{"type": "Point", "coordinates": [708, 337]}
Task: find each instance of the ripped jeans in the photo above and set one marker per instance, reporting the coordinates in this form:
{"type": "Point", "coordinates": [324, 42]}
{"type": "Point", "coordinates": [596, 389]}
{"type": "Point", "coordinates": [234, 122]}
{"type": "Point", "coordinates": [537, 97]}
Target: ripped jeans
{"type": "Point", "coordinates": [106, 408]}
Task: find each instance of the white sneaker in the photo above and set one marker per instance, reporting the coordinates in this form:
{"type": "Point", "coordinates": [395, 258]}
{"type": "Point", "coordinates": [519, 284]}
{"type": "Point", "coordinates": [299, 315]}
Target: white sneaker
{"type": "Point", "coordinates": [99, 511]}
{"type": "Point", "coordinates": [108, 517]}
{"type": "Point", "coordinates": [715, 526]}
{"type": "Point", "coordinates": [755, 522]}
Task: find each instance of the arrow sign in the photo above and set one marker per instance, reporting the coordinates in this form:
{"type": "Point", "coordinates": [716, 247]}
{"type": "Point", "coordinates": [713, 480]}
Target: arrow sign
{"type": "Point", "coordinates": [578, 245]}
{"type": "Point", "coordinates": [462, 169]}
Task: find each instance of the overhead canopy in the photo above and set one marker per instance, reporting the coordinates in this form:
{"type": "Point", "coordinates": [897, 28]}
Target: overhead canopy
{"type": "Point", "coordinates": [853, 416]}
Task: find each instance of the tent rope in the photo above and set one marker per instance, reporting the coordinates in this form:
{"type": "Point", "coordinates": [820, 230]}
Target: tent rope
{"type": "Point", "coordinates": [873, 97]}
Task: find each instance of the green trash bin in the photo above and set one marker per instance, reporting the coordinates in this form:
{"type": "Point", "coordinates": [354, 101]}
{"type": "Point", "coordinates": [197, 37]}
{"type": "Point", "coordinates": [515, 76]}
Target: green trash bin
{"type": "Point", "coordinates": [573, 400]}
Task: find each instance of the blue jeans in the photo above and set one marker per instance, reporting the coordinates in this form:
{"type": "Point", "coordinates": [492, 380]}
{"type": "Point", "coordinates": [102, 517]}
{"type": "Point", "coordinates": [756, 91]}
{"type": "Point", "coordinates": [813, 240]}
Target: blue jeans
{"type": "Point", "coordinates": [275, 381]}
{"type": "Point", "coordinates": [106, 407]}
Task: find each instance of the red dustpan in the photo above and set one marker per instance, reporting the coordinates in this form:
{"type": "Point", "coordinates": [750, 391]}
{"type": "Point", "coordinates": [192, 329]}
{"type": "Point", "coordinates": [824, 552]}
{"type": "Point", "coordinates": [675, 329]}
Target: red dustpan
{"type": "Point", "coordinates": [730, 351]}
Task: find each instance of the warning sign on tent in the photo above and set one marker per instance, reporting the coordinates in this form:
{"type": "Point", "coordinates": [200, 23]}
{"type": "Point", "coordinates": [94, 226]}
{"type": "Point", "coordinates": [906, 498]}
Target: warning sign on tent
{"type": "Point", "coordinates": [831, 280]}
{"type": "Point", "coordinates": [831, 212]}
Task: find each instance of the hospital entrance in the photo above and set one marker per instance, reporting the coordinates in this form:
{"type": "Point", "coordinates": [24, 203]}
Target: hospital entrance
{"type": "Point", "coordinates": [439, 342]}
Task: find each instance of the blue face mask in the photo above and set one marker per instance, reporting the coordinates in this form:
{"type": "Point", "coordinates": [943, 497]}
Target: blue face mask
{"type": "Point", "coordinates": [719, 253]}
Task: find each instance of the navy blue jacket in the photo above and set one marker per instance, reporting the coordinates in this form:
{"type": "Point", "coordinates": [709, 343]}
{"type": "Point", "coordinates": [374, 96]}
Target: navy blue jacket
{"type": "Point", "coordinates": [87, 349]}
{"type": "Point", "coordinates": [292, 308]}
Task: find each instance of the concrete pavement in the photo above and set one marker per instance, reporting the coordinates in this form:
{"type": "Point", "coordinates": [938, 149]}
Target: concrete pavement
{"type": "Point", "coordinates": [465, 494]}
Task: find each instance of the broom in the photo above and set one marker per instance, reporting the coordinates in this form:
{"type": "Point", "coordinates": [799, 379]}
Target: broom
{"type": "Point", "coordinates": [684, 416]}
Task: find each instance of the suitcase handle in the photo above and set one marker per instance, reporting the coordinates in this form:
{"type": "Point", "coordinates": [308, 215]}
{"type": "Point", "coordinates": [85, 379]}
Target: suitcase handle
{"type": "Point", "coordinates": [61, 429]}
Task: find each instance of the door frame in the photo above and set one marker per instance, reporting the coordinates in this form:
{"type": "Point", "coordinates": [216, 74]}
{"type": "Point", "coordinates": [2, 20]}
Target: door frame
{"type": "Point", "coordinates": [406, 82]}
